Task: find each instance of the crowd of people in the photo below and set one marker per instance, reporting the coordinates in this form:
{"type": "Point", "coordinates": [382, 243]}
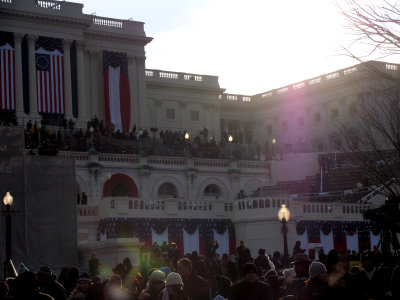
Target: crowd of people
{"type": "Point", "coordinates": [104, 138]}
{"type": "Point", "coordinates": [168, 276]}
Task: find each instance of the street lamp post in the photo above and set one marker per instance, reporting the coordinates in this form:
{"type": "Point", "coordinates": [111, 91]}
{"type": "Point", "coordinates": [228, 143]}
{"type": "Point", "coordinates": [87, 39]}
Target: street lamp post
{"type": "Point", "coordinates": [230, 139]}
{"type": "Point", "coordinates": [284, 217]}
{"type": "Point", "coordinates": [187, 136]}
{"type": "Point", "coordinates": [273, 148]}
{"type": "Point", "coordinates": [8, 212]}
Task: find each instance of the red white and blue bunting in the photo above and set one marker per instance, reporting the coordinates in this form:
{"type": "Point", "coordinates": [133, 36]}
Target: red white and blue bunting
{"type": "Point", "coordinates": [189, 234]}
{"type": "Point", "coordinates": [341, 236]}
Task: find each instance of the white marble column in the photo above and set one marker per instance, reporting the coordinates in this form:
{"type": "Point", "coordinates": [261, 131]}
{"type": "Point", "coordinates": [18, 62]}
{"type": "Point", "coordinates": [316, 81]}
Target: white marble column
{"type": "Point", "coordinates": [33, 108]}
{"type": "Point", "coordinates": [133, 91]}
{"type": "Point", "coordinates": [94, 82]}
{"type": "Point", "coordinates": [19, 89]}
{"type": "Point", "coordinates": [143, 120]}
{"type": "Point", "coordinates": [67, 78]}
{"type": "Point", "coordinates": [82, 105]}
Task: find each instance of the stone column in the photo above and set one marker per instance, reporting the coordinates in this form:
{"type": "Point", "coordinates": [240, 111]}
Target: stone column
{"type": "Point", "coordinates": [141, 92]}
{"type": "Point", "coordinates": [82, 105]}
{"type": "Point", "coordinates": [94, 83]}
{"type": "Point", "coordinates": [19, 89]}
{"type": "Point", "coordinates": [33, 108]}
{"type": "Point", "coordinates": [132, 73]}
{"type": "Point", "coordinates": [67, 78]}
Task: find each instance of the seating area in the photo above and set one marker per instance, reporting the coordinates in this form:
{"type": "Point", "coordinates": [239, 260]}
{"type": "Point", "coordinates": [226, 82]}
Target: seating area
{"type": "Point", "coordinates": [342, 182]}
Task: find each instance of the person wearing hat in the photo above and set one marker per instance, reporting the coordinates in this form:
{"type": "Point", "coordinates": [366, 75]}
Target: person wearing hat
{"type": "Point", "coordinates": [174, 288]}
{"type": "Point", "coordinates": [301, 264]}
{"type": "Point", "coordinates": [48, 285]}
{"type": "Point", "coordinates": [82, 290]}
{"type": "Point", "coordinates": [250, 288]}
{"type": "Point", "coordinates": [370, 282]}
{"type": "Point", "coordinates": [195, 287]}
{"type": "Point", "coordinates": [156, 285]}
{"type": "Point", "coordinates": [316, 286]}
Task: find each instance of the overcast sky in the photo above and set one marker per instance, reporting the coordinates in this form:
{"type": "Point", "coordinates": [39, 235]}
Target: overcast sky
{"type": "Point", "coordinates": [253, 45]}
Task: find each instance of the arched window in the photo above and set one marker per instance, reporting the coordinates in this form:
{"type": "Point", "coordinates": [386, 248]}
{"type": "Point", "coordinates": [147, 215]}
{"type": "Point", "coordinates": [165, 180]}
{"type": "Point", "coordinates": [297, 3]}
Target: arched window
{"type": "Point", "coordinates": [112, 204]}
{"type": "Point", "coordinates": [255, 204]}
{"type": "Point", "coordinates": [119, 190]}
{"type": "Point", "coordinates": [141, 204]}
{"type": "Point", "coordinates": [167, 190]}
{"type": "Point", "coordinates": [120, 185]}
{"type": "Point", "coordinates": [273, 202]}
{"type": "Point", "coordinates": [267, 203]}
{"type": "Point", "coordinates": [212, 191]}
{"type": "Point", "coordinates": [130, 204]}
{"type": "Point", "coordinates": [261, 203]}
{"type": "Point", "coordinates": [136, 204]}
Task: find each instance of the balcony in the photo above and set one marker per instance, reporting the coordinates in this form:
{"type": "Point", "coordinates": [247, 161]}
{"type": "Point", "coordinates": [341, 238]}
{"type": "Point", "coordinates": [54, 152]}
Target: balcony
{"type": "Point", "coordinates": [109, 159]}
{"type": "Point", "coordinates": [126, 207]}
{"type": "Point", "coordinates": [268, 207]}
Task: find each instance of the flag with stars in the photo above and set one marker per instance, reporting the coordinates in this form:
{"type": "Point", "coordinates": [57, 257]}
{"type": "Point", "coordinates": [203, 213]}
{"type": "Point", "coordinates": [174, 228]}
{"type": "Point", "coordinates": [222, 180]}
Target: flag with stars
{"type": "Point", "coordinates": [116, 90]}
{"type": "Point", "coordinates": [50, 81]}
{"type": "Point", "coordinates": [7, 83]}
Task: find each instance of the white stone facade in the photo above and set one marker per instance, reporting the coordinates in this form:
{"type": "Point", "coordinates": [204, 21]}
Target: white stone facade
{"type": "Point", "coordinates": [301, 115]}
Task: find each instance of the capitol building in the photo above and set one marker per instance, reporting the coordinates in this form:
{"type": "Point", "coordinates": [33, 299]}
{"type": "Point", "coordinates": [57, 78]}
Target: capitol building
{"type": "Point", "coordinates": [231, 162]}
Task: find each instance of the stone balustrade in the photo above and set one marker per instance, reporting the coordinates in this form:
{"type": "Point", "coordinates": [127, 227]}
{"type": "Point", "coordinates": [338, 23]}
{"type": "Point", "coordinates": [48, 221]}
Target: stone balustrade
{"type": "Point", "coordinates": [87, 211]}
{"type": "Point", "coordinates": [235, 98]}
{"type": "Point", "coordinates": [171, 161]}
{"type": "Point", "coordinates": [211, 163]}
{"type": "Point", "coordinates": [154, 76]}
{"type": "Point", "coordinates": [46, 7]}
{"type": "Point", "coordinates": [116, 158]}
{"type": "Point", "coordinates": [264, 207]}
{"type": "Point", "coordinates": [124, 159]}
{"type": "Point", "coordinates": [163, 207]}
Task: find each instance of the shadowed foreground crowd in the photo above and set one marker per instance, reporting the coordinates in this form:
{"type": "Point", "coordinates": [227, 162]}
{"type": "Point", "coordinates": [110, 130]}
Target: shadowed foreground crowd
{"type": "Point", "coordinates": [194, 278]}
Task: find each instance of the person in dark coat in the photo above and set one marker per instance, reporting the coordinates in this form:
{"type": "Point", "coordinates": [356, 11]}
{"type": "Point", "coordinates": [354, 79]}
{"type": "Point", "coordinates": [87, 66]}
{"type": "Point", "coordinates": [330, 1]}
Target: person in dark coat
{"type": "Point", "coordinates": [194, 286]}
{"type": "Point", "coordinates": [271, 277]}
{"type": "Point", "coordinates": [84, 285]}
{"type": "Point", "coordinates": [370, 283]}
{"type": "Point", "coordinates": [157, 285]}
{"type": "Point", "coordinates": [27, 287]}
{"type": "Point", "coordinates": [297, 248]}
{"type": "Point", "coordinates": [48, 285]}
{"type": "Point", "coordinates": [301, 265]}
{"type": "Point", "coordinates": [262, 261]}
{"type": "Point", "coordinates": [316, 287]}
{"type": "Point", "coordinates": [250, 288]}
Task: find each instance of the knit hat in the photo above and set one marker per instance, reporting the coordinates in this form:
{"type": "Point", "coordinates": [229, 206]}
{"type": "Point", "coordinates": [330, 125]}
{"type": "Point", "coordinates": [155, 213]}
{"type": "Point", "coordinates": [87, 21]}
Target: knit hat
{"type": "Point", "coordinates": [22, 268]}
{"type": "Point", "coordinates": [44, 272]}
{"type": "Point", "coordinates": [317, 268]}
{"type": "Point", "coordinates": [166, 270]}
{"type": "Point", "coordinates": [174, 279]}
{"type": "Point", "coordinates": [85, 277]}
{"type": "Point", "coordinates": [157, 275]}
